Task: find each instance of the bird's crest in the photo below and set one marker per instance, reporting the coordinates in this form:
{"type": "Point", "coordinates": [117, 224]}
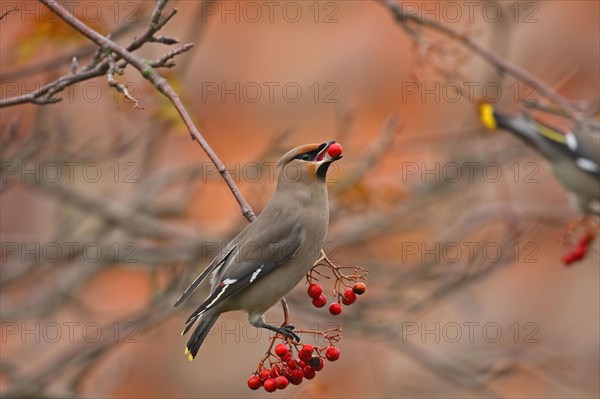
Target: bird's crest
{"type": "Point", "coordinates": [291, 154]}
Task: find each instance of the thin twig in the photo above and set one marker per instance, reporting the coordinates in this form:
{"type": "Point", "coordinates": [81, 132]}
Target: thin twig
{"type": "Point", "coordinates": [8, 12]}
{"type": "Point", "coordinates": [166, 61]}
{"type": "Point", "coordinates": [502, 65]}
{"type": "Point", "coordinates": [158, 81]}
{"type": "Point", "coordinates": [121, 88]}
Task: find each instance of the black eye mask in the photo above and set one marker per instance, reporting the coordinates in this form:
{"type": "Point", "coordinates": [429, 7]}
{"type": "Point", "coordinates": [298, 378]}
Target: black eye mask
{"type": "Point", "coordinates": [311, 155]}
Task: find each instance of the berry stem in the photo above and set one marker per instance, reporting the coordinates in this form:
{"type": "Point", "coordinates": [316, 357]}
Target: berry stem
{"type": "Point", "coordinates": [331, 334]}
{"type": "Point", "coordinates": [341, 279]}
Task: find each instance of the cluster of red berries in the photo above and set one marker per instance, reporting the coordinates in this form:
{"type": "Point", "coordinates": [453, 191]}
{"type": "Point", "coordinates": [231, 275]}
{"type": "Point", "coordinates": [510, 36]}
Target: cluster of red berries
{"type": "Point", "coordinates": [288, 370]}
{"type": "Point", "coordinates": [577, 253]}
{"type": "Point", "coordinates": [348, 297]}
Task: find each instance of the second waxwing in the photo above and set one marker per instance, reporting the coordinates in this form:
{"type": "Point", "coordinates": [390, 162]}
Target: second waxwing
{"type": "Point", "coordinates": [574, 154]}
{"type": "Point", "coordinates": [271, 255]}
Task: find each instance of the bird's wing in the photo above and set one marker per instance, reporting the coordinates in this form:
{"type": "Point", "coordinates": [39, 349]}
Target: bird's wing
{"type": "Point", "coordinates": [253, 260]}
{"type": "Point", "coordinates": [579, 146]}
{"type": "Point", "coordinates": [215, 264]}
{"type": "Point", "coordinates": [588, 151]}
{"type": "Point", "coordinates": [576, 145]}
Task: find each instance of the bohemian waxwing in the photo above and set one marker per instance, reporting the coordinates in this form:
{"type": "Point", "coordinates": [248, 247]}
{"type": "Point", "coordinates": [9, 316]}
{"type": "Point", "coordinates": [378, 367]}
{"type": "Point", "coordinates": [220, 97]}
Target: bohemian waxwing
{"type": "Point", "coordinates": [574, 155]}
{"type": "Point", "coordinates": [274, 252]}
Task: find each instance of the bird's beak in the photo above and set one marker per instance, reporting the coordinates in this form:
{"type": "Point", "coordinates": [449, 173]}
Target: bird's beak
{"type": "Point", "coordinates": [323, 155]}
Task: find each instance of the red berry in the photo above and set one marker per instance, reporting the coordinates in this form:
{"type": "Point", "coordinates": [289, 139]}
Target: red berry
{"type": "Point", "coordinates": [332, 353]}
{"type": "Point", "coordinates": [335, 308]}
{"type": "Point", "coordinates": [264, 374]}
{"type": "Point", "coordinates": [309, 373]}
{"type": "Point", "coordinates": [320, 302]}
{"type": "Point", "coordinates": [334, 150]}
{"type": "Point", "coordinates": [274, 371]}
{"type": "Point", "coordinates": [314, 291]}
{"type": "Point", "coordinates": [317, 363]}
{"type": "Point", "coordinates": [568, 258]}
{"type": "Point", "coordinates": [292, 364]}
{"type": "Point", "coordinates": [254, 382]}
{"type": "Point", "coordinates": [585, 240]}
{"type": "Point", "coordinates": [359, 288]}
{"type": "Point", "coordinates": [296, 376]}
{"type": "Point", "coordinates": [306, 353]}
{"type": "Point", "coordinates": [298, 373]}
{"type": "Point", "coordinates": [281, 350]}
{"type": "Point", "coordinates": [579, 252]}
{"type": "Point", "coordinates": [287, 356]}
{"type": "Point", "coordinates": [270, 385]}
{"type": "Point", "coordinates": [281, 382]}
{"type": "Point", "coordinates": [296, 381]}
{"type": "Point", "coordinates": [349, 297]}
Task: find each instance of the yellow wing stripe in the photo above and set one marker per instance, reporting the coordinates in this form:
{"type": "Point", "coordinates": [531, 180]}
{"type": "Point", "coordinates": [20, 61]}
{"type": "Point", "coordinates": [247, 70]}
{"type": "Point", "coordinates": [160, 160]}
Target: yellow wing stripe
{"type": "Point", "coordinates": [550, 134]}
{"type": "Point", "coordinates": [217, 297]}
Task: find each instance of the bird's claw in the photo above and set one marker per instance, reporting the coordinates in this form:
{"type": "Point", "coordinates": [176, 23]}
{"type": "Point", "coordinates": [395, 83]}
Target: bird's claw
{"type": "Point", "coordinates": [287, 330]}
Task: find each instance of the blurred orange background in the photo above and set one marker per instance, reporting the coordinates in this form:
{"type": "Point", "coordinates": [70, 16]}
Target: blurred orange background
{"type": "Point", "coordinates": [337, 70]}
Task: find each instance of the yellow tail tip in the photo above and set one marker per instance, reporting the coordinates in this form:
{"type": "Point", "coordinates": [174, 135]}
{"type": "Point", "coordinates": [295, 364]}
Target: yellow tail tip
{"type": "Point", "coordinates": [190, 357]}
{"type": "Point", "coordinates": [486, 114]}
{"type": "Point", "coordinates": [186, 351]}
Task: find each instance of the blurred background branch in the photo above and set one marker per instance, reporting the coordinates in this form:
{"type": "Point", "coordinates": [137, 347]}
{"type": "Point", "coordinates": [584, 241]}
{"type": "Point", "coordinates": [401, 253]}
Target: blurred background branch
{"type": "Point", "coordinates": [112, 250]}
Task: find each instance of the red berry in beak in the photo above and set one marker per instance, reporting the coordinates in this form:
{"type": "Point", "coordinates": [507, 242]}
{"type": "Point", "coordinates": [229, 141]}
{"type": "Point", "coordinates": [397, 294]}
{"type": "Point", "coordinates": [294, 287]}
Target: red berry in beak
{"type": "Point", "coordinates": [334, 150]}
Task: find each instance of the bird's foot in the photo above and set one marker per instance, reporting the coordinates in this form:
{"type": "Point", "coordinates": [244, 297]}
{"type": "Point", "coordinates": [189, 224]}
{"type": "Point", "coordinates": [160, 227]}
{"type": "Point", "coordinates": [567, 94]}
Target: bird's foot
{"type": "Point", "coordinates": [288, 332]}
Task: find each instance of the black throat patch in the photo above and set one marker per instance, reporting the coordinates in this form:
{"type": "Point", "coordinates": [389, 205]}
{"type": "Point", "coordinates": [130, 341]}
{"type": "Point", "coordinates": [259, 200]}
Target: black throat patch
{"type": "Point", "coordinates": [322, 171]}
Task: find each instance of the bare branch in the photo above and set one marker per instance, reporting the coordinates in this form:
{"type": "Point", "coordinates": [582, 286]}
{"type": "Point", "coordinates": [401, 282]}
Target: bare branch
{"type": "Point", "coordinates": [112, 82]}
{"type": "Point", "coordinates": [162, 85]}
{"type": "Point", "coordinates": [155, 25]}
{"type": "Point", "coordinates": [8, 12]}
{"type": "Point", "coordinates": [502, 65]}
{"type": "Point", "coordinates": [167, 60]}
{"type": "Point", "coordinates": [47, 94]}
{"type": "Point", "coordinates": [60, 61]}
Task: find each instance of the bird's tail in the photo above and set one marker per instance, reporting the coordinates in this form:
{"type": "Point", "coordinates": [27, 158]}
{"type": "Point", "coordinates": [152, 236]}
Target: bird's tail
{"type": "Point", "coordinates": [206, 322]}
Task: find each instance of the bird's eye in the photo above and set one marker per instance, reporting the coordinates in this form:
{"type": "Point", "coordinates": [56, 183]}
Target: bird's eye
{"type": "Point", "coordinates": [305, 157]}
